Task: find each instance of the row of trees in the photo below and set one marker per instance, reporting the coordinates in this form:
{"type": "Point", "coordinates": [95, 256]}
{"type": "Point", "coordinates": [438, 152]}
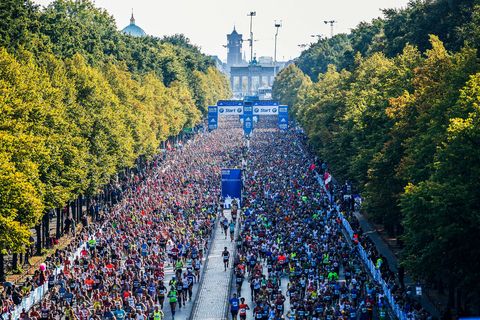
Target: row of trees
{"type": "Point", "coordinates": [456, 23]}
{"type": "Point", "coordinates": [404, 126]}
{"type": "Point", "coordinates": [80, 102]}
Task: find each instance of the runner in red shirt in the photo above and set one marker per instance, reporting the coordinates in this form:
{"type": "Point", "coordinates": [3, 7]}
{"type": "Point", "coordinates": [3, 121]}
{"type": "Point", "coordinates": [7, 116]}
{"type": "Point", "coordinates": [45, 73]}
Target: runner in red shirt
{"type": "Point", "coordinates": [243, 307]}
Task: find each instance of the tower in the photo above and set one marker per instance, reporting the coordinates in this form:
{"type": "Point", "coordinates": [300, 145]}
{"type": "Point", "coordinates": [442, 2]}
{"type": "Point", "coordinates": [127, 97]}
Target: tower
{"type": "Point", "coordinates": [234, 46]}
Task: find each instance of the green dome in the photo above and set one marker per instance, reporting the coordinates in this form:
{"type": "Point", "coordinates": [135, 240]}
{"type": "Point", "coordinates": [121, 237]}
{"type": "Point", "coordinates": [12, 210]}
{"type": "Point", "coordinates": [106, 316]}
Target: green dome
{"type": "Point", "coordinates": [133, 30]}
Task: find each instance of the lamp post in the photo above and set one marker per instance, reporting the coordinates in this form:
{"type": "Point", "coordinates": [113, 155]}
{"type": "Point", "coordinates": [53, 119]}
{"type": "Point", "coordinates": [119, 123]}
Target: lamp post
{"type": "Point", "coordinates": [331, 22]}
{"type": "Point", "coordinates": [277, 25]}
{"type": "Point", "coordinates": [251, 15]}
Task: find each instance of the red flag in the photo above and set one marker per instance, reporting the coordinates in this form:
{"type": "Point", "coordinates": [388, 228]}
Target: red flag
{"type": "Point", "coordinates": [327, 178]}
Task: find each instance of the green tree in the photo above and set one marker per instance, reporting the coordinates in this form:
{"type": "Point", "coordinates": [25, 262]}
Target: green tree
{"type": "Point", "coordinates": [315, 60]}
{"type": "Point", "coordinates": [288, 84]}
{"type": "Point", "coordinates": [442, 213]}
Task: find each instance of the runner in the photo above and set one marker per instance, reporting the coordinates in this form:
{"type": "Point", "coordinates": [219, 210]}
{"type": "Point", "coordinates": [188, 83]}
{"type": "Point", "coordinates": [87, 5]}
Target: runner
{"type": "Point", "coordinates": [232, 230]}
{"type": "Point", "coordinates": [225, 226]}
{"type": "Point", "coordinates": [157, 314]}
{"type": "Point", "coordinates": [243, 309]}
{"type": "Point", "coordinates": [234, 306]}
{"type": "Point", "coordinates": [172, 299]}
{"type": "Point", "coordinates": [226, 258]}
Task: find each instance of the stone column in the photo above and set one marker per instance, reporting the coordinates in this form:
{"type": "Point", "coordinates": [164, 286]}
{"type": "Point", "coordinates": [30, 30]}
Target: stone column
{"type": "Point", "coordinates": [249, 86]}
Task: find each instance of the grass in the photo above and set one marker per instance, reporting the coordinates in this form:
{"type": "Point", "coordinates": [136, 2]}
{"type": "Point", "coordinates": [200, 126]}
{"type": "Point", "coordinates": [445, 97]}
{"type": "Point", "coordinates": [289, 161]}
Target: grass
{"type": "Point", "coordinates": [20, 274]}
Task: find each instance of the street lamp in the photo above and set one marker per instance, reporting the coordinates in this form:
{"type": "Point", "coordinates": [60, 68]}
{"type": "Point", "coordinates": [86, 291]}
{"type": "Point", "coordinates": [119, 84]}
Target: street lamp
{"type": "Point", "coordinates": [331, 22]}
{"type": "Point", "coordinates": [277, 25]}
{"type": "Point", "coordinates": [251, 15]}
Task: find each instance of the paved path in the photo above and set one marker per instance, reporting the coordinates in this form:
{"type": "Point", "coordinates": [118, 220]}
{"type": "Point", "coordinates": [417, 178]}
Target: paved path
{"type": "Point", "coordinates": [246, 293]}
{"type": "Point", "coordinates": [213, 295]}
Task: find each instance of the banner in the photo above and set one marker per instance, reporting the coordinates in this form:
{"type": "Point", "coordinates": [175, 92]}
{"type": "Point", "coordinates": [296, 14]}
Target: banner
{"type": "Point", "coordinates": [225, 103]}
{"type": "Point", "coordinates": [265, 103]}
{"type": "Point", "coordinates": [265, 110]}
{"type": "Point", "coordinates": [232, 184]}
{"type": "Point", "coordinates": [230, 111]}
{"type": "Point", "coordinates": [247, 118]}
{"type": "Point", "coordinates": [212, 118]}
{"type": "Point", "coordinates": [283, 117]}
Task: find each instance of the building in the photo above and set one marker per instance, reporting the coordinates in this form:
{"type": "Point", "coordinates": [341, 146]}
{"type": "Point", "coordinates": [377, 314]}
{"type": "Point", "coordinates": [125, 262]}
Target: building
{"type": "Point", "coordinates": [220, 64]}
{"type": "Point", "coordinates": [234, 49]}
{"type": "Point", "coordinates": [248, 79]}
{"type": "Point", "coordinates": [133, 30]}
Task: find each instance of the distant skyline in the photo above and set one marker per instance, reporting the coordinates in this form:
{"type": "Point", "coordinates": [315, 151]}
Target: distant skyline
{"type": "Point", "coordinates": [206, 22]}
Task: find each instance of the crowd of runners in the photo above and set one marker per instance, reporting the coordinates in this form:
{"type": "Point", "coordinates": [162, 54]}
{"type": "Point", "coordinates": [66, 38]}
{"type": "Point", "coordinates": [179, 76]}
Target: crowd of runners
{"type": "Point", "coordinates": [164, 219]}
{"type": "Point", "coordinates": [291, 252]}
{"type": "Point", "coordinates": [291, 232]}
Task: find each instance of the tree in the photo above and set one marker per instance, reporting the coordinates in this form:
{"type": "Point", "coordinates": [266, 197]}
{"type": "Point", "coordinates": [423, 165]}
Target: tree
{"type": "Point", "coordinates": [18, 22]}
{"type": "Point", "coordinates": [102, 119]}
{"type": "Point", "coordinates": [442, 213]}
{"type": "Point", "coordinates": [315, 60]}
{"type": "Point", "coordinates": [81, 102]}
{"type": "Point", "coordinates": [288, 84]}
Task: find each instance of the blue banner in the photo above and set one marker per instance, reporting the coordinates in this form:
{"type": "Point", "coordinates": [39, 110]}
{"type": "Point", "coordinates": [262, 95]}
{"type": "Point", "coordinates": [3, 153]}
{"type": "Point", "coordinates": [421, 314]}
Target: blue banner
{"type": "Point", "coordinates": [212, 118]}
{"type": "Point", "coordinates": [230, 110]}
{"type": "Point", "coordinates": [229, 103]}
{"type": "Point", "coordinates": [283, 117]}
{"type": "Point", "coordinates": [247, 118]}
{"type": "Point", "coordinates": [265, 103]}
{"type": "Point", "coordinates": [232, 183]}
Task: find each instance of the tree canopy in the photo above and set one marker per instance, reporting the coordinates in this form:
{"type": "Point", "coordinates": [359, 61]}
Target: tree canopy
{"type": "Point", "coordinates": [81, 101]}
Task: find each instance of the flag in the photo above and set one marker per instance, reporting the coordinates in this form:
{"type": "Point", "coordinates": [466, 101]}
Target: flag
{"type": "Point", "coordinates": [327, 178]}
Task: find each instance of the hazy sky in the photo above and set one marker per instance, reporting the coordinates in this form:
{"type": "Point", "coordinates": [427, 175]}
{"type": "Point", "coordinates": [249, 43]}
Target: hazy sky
{"type": "Point", "coordinates": [206, 22]}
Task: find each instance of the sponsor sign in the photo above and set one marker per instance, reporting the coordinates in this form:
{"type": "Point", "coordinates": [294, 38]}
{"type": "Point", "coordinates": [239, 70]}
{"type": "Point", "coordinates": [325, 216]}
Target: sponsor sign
{"type": "Point", "coordinates": [247, 118]}
{"type": "Point", "coordinates": [265, 103]}
{"type": "Point", "coordinates": [231, 103]}
{"type": "Point", "coordinates": [230, 110]}
{"type": "Point", "coordinates": [265, 110]}
{"type": "Point", "coordinates": [212, 118]}
{"type": "Point", "coordinates": [283, 117]}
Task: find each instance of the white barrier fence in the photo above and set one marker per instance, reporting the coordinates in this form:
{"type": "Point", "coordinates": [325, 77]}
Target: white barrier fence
{"type": "Point", "coordinates": [37, 295]}
{"type": "Point", "coordinates": [377, 276]}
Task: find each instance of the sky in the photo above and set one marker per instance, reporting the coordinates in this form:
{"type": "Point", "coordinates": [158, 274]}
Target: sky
{"type": "Point", "coordinates": [206, 22]}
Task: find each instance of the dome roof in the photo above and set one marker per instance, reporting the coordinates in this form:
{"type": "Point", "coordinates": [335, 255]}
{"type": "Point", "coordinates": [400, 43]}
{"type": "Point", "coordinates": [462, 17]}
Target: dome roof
{"type": "Point", "coordinates": [133, 30]}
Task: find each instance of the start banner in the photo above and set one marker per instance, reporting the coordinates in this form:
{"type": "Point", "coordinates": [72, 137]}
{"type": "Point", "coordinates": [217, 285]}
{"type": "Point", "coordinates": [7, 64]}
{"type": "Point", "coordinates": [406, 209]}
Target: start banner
{"type": "Point", "coordinates": [230, 110]}
{"type": "Point", "coordinates": [265, 110]}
